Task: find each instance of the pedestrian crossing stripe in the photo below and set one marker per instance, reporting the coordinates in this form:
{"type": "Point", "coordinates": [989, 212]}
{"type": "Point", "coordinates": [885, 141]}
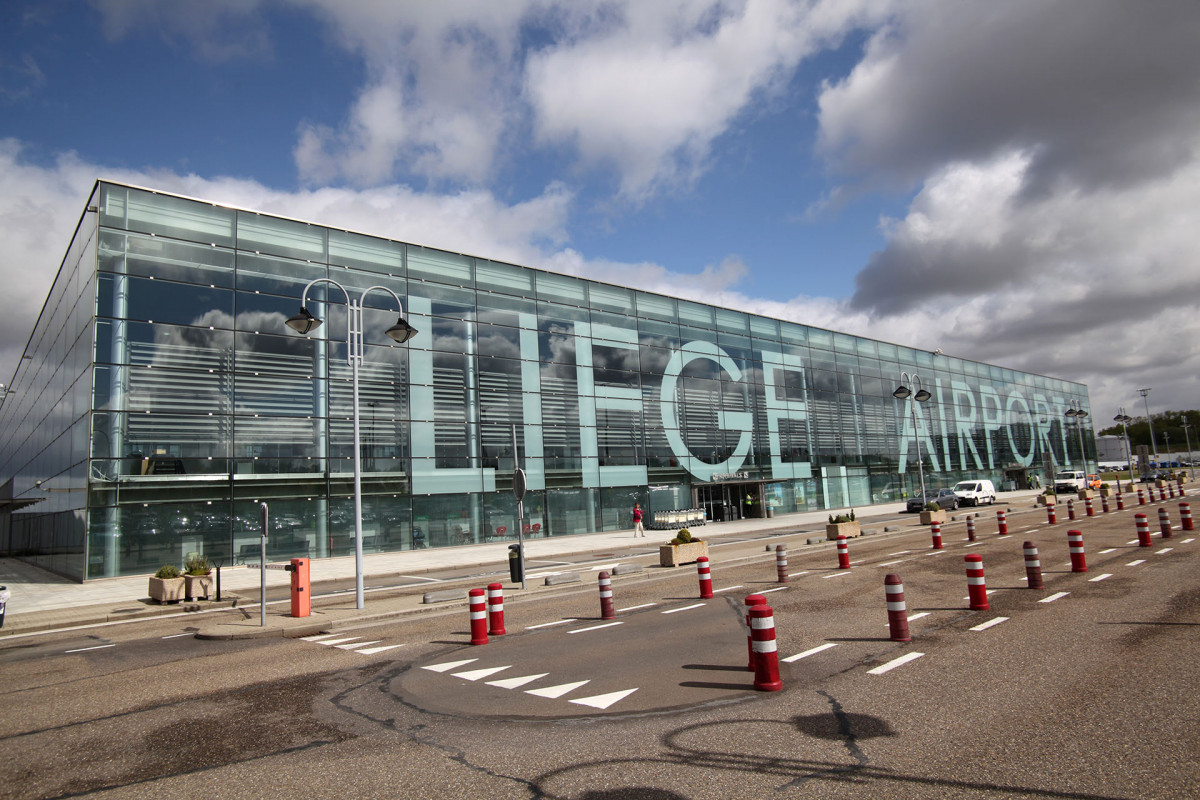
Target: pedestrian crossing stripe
{"type": "Point", "coordinates": [516, 683]}
{"type": "Point", "coordinates": [449, 665]}
{"type": "Point", "coordinates": [476, 674]}
{"type": "Point", "coordinates": [555, 692]}
{"type": "Point", "coordinates": [603, 701]}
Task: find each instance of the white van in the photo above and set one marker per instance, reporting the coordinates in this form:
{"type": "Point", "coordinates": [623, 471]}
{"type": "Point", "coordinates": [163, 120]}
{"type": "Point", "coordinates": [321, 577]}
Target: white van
{"type": "Point", "coordinates": [974, 493]}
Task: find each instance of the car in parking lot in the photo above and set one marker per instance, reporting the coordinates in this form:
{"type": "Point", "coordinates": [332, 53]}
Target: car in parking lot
{"type": "Point", "coordinates": [944, 498]}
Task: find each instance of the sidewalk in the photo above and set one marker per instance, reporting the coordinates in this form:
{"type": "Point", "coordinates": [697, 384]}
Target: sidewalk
{"type": "Point", "coordinates": [43, 601]}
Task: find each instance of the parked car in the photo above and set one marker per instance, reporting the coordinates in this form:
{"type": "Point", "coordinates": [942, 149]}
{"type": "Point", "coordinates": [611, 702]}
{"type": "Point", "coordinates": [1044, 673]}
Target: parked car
{"type": "Point", "coordinates": [944, 498]}
{"type": "Point", "coordinates": [1070, 480]}
{"type": "Point", "coordinates": [974, 493]}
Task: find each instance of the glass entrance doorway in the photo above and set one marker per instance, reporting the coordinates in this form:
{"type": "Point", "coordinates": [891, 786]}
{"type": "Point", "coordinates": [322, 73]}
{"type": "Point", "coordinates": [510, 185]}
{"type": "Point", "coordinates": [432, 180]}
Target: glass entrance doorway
{"type": "Point", "coordinates": [723, 502]}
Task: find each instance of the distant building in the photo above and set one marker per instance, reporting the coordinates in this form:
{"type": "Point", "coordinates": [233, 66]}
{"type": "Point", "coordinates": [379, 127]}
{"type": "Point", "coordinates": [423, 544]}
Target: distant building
{"type": "Point", "coordinates": [161, 399]}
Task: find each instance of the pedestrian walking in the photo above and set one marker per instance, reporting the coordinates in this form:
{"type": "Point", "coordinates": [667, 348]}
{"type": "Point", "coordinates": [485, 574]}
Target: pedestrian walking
{"type": "Point", "coordinates": [638, 530]}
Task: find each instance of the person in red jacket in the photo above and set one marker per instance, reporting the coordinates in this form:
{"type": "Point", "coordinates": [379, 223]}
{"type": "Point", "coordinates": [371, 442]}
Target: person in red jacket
{"type": "Point", "coordinates": [638, 530]}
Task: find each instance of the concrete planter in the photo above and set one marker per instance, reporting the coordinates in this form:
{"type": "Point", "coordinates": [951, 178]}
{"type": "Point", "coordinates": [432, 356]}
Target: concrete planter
{"type": "Point", "coordinates": [166, 590]}
{"type": "Point", "coordinates": [1085, 494]}
{"type": "Point", "coordinates": [197, 586]}
{"type": "Point", "coordinates": [836, 529]}
{"type": "Point", "coordinates": [1106, 490]}
{"type": "Point", "coordinates": [1047, 499]}
{"type": "Point", "coordinates": [930, 517]}
{"type": "Point", "coordinates": [672, 555]}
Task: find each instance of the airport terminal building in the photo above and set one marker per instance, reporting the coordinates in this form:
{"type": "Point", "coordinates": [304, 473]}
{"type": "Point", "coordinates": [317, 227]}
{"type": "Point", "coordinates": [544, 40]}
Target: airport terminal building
{"type": "Point", "coordinates": [161, 398]}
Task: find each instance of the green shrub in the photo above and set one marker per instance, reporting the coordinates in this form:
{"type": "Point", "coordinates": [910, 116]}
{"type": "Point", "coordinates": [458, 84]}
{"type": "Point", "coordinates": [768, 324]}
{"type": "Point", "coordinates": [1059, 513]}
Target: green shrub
{"type": "Point", "coordinates": [684, 535]}
{"type": "Point", "coordinates": [196, 564]}
{"type": "Point", "coordinates": [167, 571]}
{"type": "Point", "coordinates": [841, 518]}
{"type": "Point", "coordinates": [932, 507]}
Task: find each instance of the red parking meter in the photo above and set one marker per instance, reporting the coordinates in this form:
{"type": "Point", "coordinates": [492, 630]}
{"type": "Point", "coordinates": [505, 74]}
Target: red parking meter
{"type": "Point", "coordinates": [301, 595]}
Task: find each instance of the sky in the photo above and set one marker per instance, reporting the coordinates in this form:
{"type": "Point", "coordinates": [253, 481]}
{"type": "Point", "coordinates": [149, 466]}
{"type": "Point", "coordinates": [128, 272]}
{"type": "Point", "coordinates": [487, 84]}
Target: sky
{"type": "Point", "coordinates": [1013, 182]}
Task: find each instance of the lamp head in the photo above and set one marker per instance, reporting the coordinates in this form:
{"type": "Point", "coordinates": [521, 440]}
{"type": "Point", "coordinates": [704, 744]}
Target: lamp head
{"type": "Point", "coordinates": [901, 392]}
{"type": "Point", "coordinates": [921, 396]}
{"type": "Point", "coordinates": [304, 322]}
{"type": "Point", "coordinates": [401, 332]}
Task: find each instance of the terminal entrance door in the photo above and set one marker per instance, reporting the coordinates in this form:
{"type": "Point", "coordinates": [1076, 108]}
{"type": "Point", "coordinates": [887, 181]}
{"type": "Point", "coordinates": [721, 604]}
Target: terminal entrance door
{"type": "Point", "coordinates": [723, 502]}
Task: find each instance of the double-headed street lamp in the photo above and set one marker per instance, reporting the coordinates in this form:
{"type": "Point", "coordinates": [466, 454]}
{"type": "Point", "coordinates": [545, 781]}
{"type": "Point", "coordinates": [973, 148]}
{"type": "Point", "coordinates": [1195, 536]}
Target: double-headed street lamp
{"type": "Point", "coordinates": [1145, 393]}
{"type": "Point", "coordinates": [401, 332]}
{"type": "Point", "coordinates": [1187, 433]}
{"type": "Point", "coordinates": [1125, 419]}
{"type": "Point", "coordinates": [1077, 413]}
{"type": "Point", "coordinates": [903, 393]}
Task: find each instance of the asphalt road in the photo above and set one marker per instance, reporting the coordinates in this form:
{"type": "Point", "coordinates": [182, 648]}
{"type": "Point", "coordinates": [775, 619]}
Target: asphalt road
{"type": "Point", "coordinates": [1085, 689]}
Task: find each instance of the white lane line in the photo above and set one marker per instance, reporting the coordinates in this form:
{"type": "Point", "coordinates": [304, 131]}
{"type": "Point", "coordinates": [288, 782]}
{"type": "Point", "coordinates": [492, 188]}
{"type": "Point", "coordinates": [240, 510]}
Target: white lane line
{"type": "Point", "coordinates": [727, 588]}
{"type": "Point", "coordinates": [918, 616]}
{"type": "Point", "coordinates": [596, 627]}
{"type": "Point", "coordinates": [684, 608]}
{"type": "Point", "coordinates": [542, 575]}
{"type": "Point", "coordinates": [776, 589]}
{"type": "Point", "coordinates": [1135, 541]}
{"type": "Point", "coordinates": [603, 700]}
{"type": "Point", "coordinates": [318, 637]}
{"type": "Point", "coordinates": [554, 692]}
{"type": "Point", "coordinates": [989, 591]}
{"type": "Point", "coordinates": [370, 651]}
{"type": "Point", "coordinates": [85, 649]}
{"type": "Point", "coordinates": [1033, 530]}
{"type": "Point", "coordinates": [1188, 541]}
{"type": "Point", "coordinates": [477, 674]}
{"type": "Point", "coordinates": [422, 578]}
{"type": "Point", "coordinates": [899, 552]}
{"type": "Point", "coordinates": [357, 645]}
{"type": "Point", "coordinates": [1109, 550]}
{"type": "Point", "coordinates": [991, 622]}
{"type": "Point", "coordinates": [329, 642]}
{"type": "Point", "coordinates": [859, 561]}
{"type": "Point", "coordinates": [838, 574]}
{"type": "Point", "coordinates": [896, 662]}
{"type": "Point", "coordinates": [635, 608]}
{"type": "Point", "coordinates": [605, 567]}
{"type": "Point", "coordinates": [1135, 563]}
{"type": "Point", "coordinates": [1099, 578]}
{"type": "Point", "coordinates": [1053, 597]}
{"type": "Point", "coordinates": [449, 665]}
{"type": "Point", "coordinates": [812, 652]}
{"type": "Point", "coordinates": [893, 563]}
{"type": "Point", "coordinates": [177, 635]}
{"type": "Point", "coordinates": [1164, 550]}
{"type": "Point", "coordinates": [516, 683]}
{"type": "Point", "coordinates": [548, 624]}
{"type": "Point", "coordinates": [797, 574]}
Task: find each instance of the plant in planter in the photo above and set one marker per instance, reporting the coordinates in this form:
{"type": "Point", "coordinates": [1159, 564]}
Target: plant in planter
{"type": "Point", "coordinates": [842, 525]}
{"type": "Point", "coordinates": [197, 576]}
{"type": "Point", "coordinates": [1047, 498]}
{"type": "Point", "coordinates": [167, 585]}
{"type": "Point", "coordinates": [933, 513]}
{"type": "Point", "coordinates": [682, 549]}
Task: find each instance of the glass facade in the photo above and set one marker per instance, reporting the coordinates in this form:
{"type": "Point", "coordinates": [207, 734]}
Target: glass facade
{"type": "Point", "coordinates": [162, 399]}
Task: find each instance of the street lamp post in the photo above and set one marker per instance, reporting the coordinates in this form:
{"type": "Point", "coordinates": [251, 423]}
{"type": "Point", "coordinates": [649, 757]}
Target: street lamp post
{"type": "Point", "coordinates": [1125, 419]}
{"type": "Point", "coordinates": [304, 322]}
{"type": "Point", "coordinates": [1167, 445]}
{"type": "Point", "coordinates": [1150, 422]}
{"type": "Point", "coordinates": [1188, 435]}
{"type": "Point", "coordinates": [1076, 411]}
{"type": "Point", "coordinates": [902, 393]}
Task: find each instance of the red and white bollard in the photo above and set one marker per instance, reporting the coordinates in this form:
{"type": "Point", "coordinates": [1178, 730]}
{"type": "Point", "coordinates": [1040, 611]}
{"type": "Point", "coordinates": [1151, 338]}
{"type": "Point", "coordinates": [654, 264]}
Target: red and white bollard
{"type": "Point", "coordinates": [1181, 492]}
{"type": "Point", "coordinates": [976, 583]}
{"type": "Point", "coordinates": [1104, 503]}
{"type": "Point", "coordinates": [1185, 517]}
{"type": "Point", "coordinates": [1143, 530]}
{"type": "Point", "coordinates": [1070, 510]}
{"type": "Point", "coordinates": [1078, 556]}
{"type": "Point", "coordinates": [1120, 502]}
{"type": "Point", "coordinates": [843, 551]}
{"type": "Point", "coordinates": [897, 609]}
{"type": "Point", "coordinates": [478, 608]}
{"type": "Point", "coordinates": [1033, 566]}
{"type": "Point", "coordinates": [1002, 522]}
{"type": "Point", "coordinates": [766, 659]}
{"type": "Point", "coordinates": [1141, 497]}
{"type": "Point", "coordinates": [935, 531]}
{"type": "Point", "coordinates": [781, 565]}
{"type": "Point", "coordinates": [1171, 489]}
{"type": "Point", "coordinates": [705, 576]}
{"type": "Point", "coordinates": [971, 528]}
{"type": "Point", "coordinates": [606, 598]}
{"type": "Point", "coordinates": [495, 597]}
{"type": "Point", "coordinates": [1052, 516]}
{"type": "Point", "coordinates": [1164, 523]}
{"type": "Point", "coordinates": [1162, 495]}
{"type": "Point", "coordinates": [1089, 507]}
{"type": "Point", "coordinates": [751, 601]}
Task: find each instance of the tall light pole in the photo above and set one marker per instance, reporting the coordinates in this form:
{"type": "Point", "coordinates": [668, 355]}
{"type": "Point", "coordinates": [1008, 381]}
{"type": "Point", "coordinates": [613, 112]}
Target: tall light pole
{"type": "Point", "coordinates": [1188, 435]}
{"type": "Point", "coordinates": [1076, 411]}
{"type": "Point", "coordinates": [1153, 445]}
{"type": "Point", "coordinates": [1125, 419]}
{"type": "Point", "coordinates": [902, 393]}
{"type": "Point", "coordinates": [305, 322]}
{"type": "Point", "coordinates": [1167, 444]}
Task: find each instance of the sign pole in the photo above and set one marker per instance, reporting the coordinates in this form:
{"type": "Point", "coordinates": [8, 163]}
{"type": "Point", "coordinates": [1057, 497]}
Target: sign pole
{"type": "Point", "coordinates": [519, 493]}
{"type": "Point", "coordinates": [262, 570]}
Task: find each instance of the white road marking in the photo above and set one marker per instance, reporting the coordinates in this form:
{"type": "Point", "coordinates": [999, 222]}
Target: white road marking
{"type": "Point", "coordinates": [1099, 578]}
{"type": "Point", "coordinates": [1135, 541]}
{"type": "Point", "coordinates": [85, 649]}
{"type": "Point", "coordinates": [634, 608]}
{"type": "Point", "coordinates": [596, 627]}
{"type": "Point", "coordinates": [727, 588]}
{"type": "Point", "coordinates": [422, 578]}
{"type": "Point", "coordinates": [177, 635]}
{"type": "Point", "coordinates": [918, 616]}
{"type": "Point", "coordinates": [989, 591]}
{"type": "Point", "coordinates": [1188, 541]}
{"type": "Point", "coordinates": [476, 674]}
{"type": "Point", "coordinates": [318, 637]}
{"type": "Point", "coordinates": [899, 552]}
{"type": "Point", "coordinates": [357, 645]}
{"type": "Point", "coordinates": [776, 589]}
{"type": "Point", "coordinates": [449, 665]}
{"type": "Point", "coordinates": [603, 700]}
{"type": "Point", "coordinates": [1109, 550]}
{"type": "Point", "coordinates": [896, 662]}
{"type": "Point", "coordinates": [328, 642]}
{"type": "Point", "coordinates": [684, 608]}
{"type": "Point", "coordinates": [1033, 530]}
{"type": "Point", "coordinates": [554, 692]}
{"type": "Point", "coordinates": [548, 624]}
{"type": "Point", "coordinates": [859, 561]}
{"type": "Point", "coordinates": [984, 626]}
{"type": "Point", "coordinates": [370, 651]}
{"type": "Point", "coordinates": [812, 652]}
{"type": "Point", "coordinates": [1135, 563]}
{"type": "Point", "coordinates": [837, 574]}
{"type": "Point", "coordinates": [797, 574]}
{"type": "Point", "coordinates": [516, 683]}
{"type": "Point", "coordinates": [605, 567]}
{"type": "Point", "coordinates": [1053, 597]}
{"type": "Point", "coordinates": [892, 563]}
{"type": "Point", "coordinates": [1164, 550]}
